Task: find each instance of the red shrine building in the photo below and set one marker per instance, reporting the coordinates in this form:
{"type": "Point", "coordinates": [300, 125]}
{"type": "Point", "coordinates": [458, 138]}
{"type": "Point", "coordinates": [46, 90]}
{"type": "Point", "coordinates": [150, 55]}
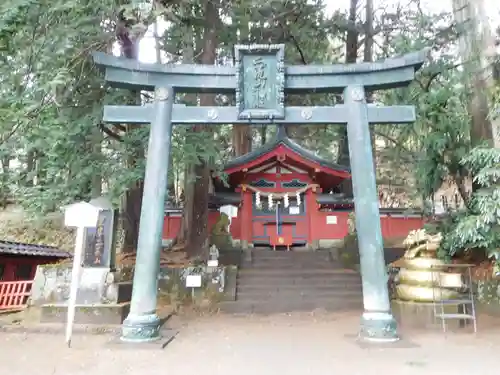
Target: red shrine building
{"type": "Point", "coordinates": [284, 195]}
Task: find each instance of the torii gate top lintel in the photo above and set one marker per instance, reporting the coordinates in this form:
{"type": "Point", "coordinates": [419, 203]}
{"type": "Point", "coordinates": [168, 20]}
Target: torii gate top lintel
{"type": "Point", "coordinates": [383, 74]}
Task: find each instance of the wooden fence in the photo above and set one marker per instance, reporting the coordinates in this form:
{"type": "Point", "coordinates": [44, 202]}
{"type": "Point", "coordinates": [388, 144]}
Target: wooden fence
{"type": "Point", "coordinates": [14, 295]}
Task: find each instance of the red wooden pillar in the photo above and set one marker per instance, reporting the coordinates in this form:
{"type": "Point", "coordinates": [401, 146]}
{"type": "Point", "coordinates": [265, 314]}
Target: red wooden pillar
{"type": "Point", "coordinates": [9, 273]}
{"type": "Point", "coordinates": [312, 210]}
{"type": "Point", "coordinates": [246, 218]}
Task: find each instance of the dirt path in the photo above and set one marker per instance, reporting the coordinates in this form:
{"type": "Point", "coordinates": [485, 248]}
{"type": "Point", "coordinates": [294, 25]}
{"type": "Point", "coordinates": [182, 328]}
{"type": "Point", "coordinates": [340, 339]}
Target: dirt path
{"type": "Point", "coordinates": [278, 345]}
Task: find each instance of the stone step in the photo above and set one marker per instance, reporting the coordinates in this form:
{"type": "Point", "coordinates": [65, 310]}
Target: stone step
{"type": "Point", "coordinates": [291, 255]}
{"type": "Point", "coordinates": [323, 258]}
{"type": "Point", "coordinates": [299, 284]}
{"type": "Point", "coordinates": [281, 282]}
{"type": "Point", "coordinates": [304, 280]}
{"type": "Point", "coordinates": [280, 272]}
{"type": "Point", "coordinates": [294, 266]}
{"type": "Point", "coordinates": [86, 314]}
{"type": "Point", "coordinates": [264, 284]}
{"type": "Point", "coordinates": [297, 295]}
{"type": "Point", "coordinates": [298, 288]}
{"type": "Point", "coordinates": [239, 307]}
{"type": "Point", "coordinates": [298, 280]}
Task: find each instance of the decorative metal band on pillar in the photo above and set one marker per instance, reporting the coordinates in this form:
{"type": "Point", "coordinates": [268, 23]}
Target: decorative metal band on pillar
{"type": "Point", "coordinates": [377, 321]}
{"type": "Point", "coordinates": [142, 323]}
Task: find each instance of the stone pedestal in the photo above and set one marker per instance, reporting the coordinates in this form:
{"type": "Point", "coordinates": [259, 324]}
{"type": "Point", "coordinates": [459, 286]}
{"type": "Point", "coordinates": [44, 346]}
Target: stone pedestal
{"type": "Point", "coordinates": [98, 314]}
{"type": "Point", "coordinates": [101, 298]}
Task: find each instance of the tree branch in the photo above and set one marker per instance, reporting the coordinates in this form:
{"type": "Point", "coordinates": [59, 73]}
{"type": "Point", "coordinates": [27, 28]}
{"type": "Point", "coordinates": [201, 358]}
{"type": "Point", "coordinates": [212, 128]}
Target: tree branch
{"type": "Point", "coordinates": [109, 132]}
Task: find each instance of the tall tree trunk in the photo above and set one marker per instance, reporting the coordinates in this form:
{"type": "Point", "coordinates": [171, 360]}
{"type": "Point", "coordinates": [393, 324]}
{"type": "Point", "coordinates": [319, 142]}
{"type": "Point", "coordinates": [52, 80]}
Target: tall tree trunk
{"type": "Point", "coordinates": [40, 172]}
{"type": "Point", "coordinates": [368, 47]}
{"type": "Point", "coordinates": [351, 48]}
{"type": "Point", "coordinates": [132, 204]}
{"type": "Point", "coordinates": [96, 184]}
{"type": "Point", "coordinates": [263, 135]}
{"type": "Point", "coordinates": [132, 201]}
{"type": "Point", "coordinates": [30, 168]}
{"type": "Point", "coordinates": [476, 48]}
{"type": "Point", "coordinates": [368, 57]}
{"type": "Point", "coordinates": [241, 139]}
{"type": "Point", "coordinates": [242, 134]}
{"type": "Point", "coordinates": [4, 181]}
{"type": "Point", "coordinates": [197, 237]}
{"type": "Point", "coordinates": [189, 176]}
{"type": "Point", "coordinates": [351, 56]}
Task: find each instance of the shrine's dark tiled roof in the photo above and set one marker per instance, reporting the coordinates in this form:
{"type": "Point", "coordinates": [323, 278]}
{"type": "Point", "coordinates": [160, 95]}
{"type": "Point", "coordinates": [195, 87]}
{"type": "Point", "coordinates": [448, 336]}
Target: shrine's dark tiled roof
{"type": "Point", "coordinates": [282, 138]}
{"type": "Point", "coordinates": [18, 248]}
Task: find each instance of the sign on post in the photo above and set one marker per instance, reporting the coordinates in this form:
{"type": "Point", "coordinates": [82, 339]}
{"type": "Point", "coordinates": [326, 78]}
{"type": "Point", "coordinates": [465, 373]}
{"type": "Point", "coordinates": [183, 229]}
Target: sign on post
{"type": "Point", "coordinates": [100, 241]}
{"type": "Point", "coordinates": [81, 215]}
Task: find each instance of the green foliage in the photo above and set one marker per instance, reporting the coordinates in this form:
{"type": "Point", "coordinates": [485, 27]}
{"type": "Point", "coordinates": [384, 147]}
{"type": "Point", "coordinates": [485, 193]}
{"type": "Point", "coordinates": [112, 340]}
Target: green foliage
{"type": "Point", "coordinates": [478, 225]}
{"type": "Point", "coordinates": [53, 150]}
{"type": "Point", "coordinates": [51, 99]}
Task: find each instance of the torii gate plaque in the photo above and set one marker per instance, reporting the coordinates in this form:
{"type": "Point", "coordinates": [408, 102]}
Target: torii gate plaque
{"type": "Point", "coordinates": [260, 81]}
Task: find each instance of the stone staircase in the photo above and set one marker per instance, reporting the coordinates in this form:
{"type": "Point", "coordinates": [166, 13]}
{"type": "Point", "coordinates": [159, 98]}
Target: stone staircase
{"type": "Point", "coordinates": [281, 282]}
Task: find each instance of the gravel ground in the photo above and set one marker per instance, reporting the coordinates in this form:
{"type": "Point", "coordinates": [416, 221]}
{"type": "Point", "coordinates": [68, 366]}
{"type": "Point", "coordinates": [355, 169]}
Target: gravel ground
{"type": "Point", "coordinates": [277, 345]}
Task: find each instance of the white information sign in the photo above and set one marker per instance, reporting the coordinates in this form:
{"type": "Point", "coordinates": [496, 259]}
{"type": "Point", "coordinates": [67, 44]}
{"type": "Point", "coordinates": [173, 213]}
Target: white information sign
{"type": "Point", "coordinates": [294, 210]}
{"type": "Point", "coordinates": [331, 219]}
{"type": "Point", "coordinates": [80, 215]}
{"type": "Point", "coordinates": [213, 263]}
{"type": "Point", "coordinates": [193, 281]}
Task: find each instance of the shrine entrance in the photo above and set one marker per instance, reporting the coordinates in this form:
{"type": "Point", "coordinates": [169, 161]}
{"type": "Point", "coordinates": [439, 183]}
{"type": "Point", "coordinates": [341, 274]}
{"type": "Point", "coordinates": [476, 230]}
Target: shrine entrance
{"type": "Point", "coordinates": [260, 81]}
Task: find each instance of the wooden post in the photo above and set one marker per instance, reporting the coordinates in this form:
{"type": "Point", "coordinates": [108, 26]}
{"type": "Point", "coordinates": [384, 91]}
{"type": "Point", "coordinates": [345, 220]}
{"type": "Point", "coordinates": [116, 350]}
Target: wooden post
{"type": "Point", "coordinates": [246, 222]}
{"type": "Point", "coordinates": [75, 281]}
{"type": "Point", "coordinates": [377, 322]}
{"type": "Point", "coordinates": [142, 323]}
{"type": "Point", "coordinates": [311, 217]}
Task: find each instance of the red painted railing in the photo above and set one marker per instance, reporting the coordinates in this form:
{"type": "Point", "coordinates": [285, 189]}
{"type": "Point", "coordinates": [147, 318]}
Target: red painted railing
{"type": "Point", "coordinates": [14, 294]}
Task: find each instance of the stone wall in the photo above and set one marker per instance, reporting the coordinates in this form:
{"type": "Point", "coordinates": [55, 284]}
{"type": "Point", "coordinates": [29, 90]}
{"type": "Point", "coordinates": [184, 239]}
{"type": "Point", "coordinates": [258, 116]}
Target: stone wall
{"type": "Point", "coordinates": [488, 296]}
{"type": "Point", "coordinates": [218, 284]}
{"type": "Point", "coordinates": [100, 286]}
{"type": "Point", "coordinates": [97, 285]}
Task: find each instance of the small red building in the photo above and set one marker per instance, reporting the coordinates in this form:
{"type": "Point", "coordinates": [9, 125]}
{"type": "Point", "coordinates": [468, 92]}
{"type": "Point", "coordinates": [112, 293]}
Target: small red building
{"type": "Point", "coordinates": [286, 195]}
{"type": "Point", "coordinates": [18, 261]}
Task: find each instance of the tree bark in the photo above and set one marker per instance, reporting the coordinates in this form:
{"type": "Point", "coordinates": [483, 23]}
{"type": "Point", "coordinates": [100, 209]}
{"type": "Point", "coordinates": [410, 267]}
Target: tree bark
{"type": "Point", "coordinates": [351, 48]}
{"type": "Point", "coordinates": [242, 134]}
{"type": "Point", "coordinates": [189, 176]}
{"type": "Point", "coordinates": [263, 135]}
{"type": "Point", "coordinates": [368, 48]}
{"type": "Point", "coordinates": [241, 139]}
{"type": "Point", "coordinates": [351, 56]}
{"type": "Point", "coordinates": [197, 231]}
{"type": "Point", "coordinates": [30, 168]}
{"type": "Point", "coordinates": [132, 201]}
{"type": "Point", "coordinates": [368, 57]}
{"type": "Point", "coordinates": [4, 184]}
{"type": "Point", "coordinates": [476, 46]}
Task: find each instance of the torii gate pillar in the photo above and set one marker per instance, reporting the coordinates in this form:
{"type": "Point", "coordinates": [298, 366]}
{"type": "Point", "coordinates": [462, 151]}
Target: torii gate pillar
{"type": "Point", "coordinates": [377, 322]}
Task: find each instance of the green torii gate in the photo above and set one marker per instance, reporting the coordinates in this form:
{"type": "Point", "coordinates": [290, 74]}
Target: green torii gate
{"type": "Point", "coordinates": [260, 81]}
